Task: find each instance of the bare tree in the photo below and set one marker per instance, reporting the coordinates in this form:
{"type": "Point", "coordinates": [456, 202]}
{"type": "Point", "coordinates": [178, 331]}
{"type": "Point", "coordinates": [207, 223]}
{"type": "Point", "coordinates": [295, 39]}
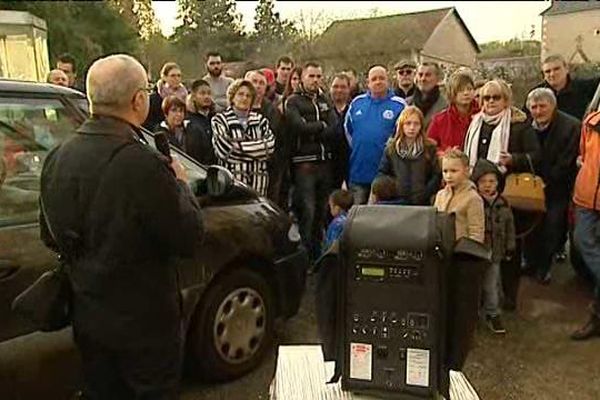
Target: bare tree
{"type": "Point", "coordinates": [310, 24]}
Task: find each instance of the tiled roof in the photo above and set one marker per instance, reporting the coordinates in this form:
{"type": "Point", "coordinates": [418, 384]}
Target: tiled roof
{"type": "Point", "coordinates": [565, 7]}
{"type": "Point", "coordinates": [392, 33]}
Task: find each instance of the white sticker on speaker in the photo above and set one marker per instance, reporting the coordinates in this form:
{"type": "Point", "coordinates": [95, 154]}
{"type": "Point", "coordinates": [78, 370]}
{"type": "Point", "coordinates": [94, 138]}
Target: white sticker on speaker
{"type": "Point", "coordinates": [417, 367]}
{"type": "Point", "coordinates": [361, 359]}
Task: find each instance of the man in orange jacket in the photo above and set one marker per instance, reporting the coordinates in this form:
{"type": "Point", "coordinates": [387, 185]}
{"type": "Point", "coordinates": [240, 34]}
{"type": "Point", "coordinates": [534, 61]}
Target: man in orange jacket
{"type": "Point", "coordinates": [587, 225]}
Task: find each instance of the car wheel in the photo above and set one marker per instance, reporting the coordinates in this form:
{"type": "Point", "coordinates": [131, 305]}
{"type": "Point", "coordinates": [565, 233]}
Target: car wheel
{"type": "Point", "coordinates": [233, 327]}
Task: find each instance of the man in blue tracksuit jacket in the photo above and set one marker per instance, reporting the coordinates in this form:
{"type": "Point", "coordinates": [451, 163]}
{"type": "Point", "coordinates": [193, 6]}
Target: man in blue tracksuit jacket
{"type": "Point", "coordinates": [370, 121]}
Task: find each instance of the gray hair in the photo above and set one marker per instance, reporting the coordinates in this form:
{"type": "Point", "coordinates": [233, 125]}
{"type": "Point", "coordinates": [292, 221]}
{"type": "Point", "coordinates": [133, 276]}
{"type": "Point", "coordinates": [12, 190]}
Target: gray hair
{"type": "Point", "coordinates": [541, 94]}
{"type": "Point", "coordinates": [113, 81]}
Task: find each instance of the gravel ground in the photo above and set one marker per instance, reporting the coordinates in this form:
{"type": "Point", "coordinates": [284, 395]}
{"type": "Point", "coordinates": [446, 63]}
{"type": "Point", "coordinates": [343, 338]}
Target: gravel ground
{"type": "Point", "coordinates": [535, 360]}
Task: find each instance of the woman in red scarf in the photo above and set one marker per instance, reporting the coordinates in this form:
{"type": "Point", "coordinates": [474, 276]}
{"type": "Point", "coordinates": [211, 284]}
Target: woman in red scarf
{"type": "Point", "coordinates": [448, 128]}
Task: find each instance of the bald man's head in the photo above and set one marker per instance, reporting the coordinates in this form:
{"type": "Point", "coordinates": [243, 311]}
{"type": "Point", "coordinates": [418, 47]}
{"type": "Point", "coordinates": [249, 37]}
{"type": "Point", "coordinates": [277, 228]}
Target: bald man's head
{"type": "Point", "coordinates": [57, 77]}
{"type": "Point", "coordinates": [377, 81]}
{"type": "Point", "coordinates": [116, 85]}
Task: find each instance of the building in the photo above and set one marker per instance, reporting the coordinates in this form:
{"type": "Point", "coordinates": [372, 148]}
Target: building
{"type": "Point", "coordinates": [23, 46]}
{"type": "Point", "coordinates": [572, 29]}
{"type": "Point", "coordinates": [435, 35]}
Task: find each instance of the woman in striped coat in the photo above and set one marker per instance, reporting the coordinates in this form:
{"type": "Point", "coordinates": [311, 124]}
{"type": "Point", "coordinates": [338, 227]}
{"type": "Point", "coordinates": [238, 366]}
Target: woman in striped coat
{"type": "Point", "coordinates": [242, 139]}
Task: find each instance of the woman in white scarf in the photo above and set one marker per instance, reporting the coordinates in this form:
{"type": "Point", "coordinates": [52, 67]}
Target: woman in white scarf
{"type": "Point", "coordinates": [499, 132]}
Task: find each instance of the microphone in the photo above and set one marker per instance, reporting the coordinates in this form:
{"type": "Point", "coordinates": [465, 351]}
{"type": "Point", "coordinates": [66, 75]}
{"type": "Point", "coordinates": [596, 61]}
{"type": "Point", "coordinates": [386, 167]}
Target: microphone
{"type": "Point", "coordinates": [162, 144]}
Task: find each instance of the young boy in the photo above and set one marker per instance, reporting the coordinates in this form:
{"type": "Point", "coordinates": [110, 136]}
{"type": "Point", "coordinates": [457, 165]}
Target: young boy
{"type": "Point", "coordinates": [460, 196]}
{"type": "Point", "coordinates": [340, 202]}
{"type": "Point", "coordinates": [384, 190]}
{"type": "Point", "coordinates": [499, 236]}
{"type": "Point", "coordinates": [327, 268]}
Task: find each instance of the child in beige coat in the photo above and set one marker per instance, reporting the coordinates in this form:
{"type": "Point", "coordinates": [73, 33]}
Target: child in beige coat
{"type": "Point", "coordinates": [460, 197]}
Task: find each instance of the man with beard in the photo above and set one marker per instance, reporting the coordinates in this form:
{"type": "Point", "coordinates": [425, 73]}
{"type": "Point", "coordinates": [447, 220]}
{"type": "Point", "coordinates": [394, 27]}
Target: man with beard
{"type": "Point", "coordinates": [219, 83]}
{"type": "Point", "coordinates": [427, 96]}
{"type": "Point", "coordinates": [311, 119]}
{"type": "Point", "coordinates": [201, 109]}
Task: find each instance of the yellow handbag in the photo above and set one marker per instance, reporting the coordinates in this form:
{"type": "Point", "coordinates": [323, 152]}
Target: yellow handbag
{"type": "Point", "coordinates": [525, 191]}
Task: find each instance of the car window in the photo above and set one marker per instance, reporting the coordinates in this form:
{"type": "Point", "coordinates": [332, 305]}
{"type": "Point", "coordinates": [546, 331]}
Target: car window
{"type": "Point", "coordinates": [83, 105]}
{"type": "Point", "coordinates": [29, 128]}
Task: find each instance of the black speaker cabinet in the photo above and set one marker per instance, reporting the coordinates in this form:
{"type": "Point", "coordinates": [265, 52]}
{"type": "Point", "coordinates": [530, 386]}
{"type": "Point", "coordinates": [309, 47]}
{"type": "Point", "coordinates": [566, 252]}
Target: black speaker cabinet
{"type": "Point", "coordinates": [394, 265]}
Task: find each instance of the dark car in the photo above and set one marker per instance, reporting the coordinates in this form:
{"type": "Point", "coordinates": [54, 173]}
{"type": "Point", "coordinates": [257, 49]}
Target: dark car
{"type": "Point", "coordinates": [250, 270]}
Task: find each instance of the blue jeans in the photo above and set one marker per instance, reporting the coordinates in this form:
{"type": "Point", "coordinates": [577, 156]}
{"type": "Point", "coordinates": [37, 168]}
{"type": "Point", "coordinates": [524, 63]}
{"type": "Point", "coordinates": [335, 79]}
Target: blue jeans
{"type": "Point", "coordinates": [587, 240]}
{"type": "Point", "coordinates": [360, 192]}
{"type": "Point", "coordinates": [312, 183]}
{"type": "Point", "coordinates": [491, 290]}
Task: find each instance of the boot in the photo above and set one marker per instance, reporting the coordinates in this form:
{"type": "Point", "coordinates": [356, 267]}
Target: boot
{"type": "Point", "coordinates": [592, 328]}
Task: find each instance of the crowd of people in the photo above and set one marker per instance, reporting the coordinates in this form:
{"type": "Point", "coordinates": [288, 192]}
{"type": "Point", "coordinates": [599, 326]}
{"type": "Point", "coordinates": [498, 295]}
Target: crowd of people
{"type": "Point", "coordinates": [292, 139]}
{"type": "Point", "coordinates": [423, 139]}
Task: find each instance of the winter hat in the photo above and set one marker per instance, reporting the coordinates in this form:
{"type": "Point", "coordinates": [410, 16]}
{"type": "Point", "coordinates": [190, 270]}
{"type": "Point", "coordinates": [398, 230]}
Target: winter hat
{"type": "Point", "coordinates": [482, 167]}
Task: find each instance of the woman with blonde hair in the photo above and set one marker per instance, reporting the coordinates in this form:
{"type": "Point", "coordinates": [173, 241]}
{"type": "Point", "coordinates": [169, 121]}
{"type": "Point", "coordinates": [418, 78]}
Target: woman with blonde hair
{"type": "Point", "coordinates": [500, 132]}
{"type": "Point", "coordinates": [449, 127]}
{"type": "Point", "coordinates": [411, 159]}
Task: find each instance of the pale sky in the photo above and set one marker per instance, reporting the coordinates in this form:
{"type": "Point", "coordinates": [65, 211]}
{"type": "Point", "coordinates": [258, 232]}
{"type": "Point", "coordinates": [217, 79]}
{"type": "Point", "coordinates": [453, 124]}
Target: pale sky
{"type": "Point", "coordinates": [487, 20]}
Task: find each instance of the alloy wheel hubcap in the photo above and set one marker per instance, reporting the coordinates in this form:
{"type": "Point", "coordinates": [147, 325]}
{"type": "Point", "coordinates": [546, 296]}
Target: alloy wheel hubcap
{"type": "Point", "coordinates": [239, 326]}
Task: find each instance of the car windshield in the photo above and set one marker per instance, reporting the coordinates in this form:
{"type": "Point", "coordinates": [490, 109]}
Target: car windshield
{"type": "Point", "coordinates": [29, 128]}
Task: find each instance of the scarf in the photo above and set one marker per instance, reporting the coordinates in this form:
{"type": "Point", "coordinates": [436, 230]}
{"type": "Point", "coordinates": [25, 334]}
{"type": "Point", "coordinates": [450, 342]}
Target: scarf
{"type": "Point", "coordinates": [499, 140]}
{"type": "Point", "coordinates": [425, 103]}
{"type": "Point", "coordinates": [410, 151]}
{"type": "Point", "coordinates": [165, 91]}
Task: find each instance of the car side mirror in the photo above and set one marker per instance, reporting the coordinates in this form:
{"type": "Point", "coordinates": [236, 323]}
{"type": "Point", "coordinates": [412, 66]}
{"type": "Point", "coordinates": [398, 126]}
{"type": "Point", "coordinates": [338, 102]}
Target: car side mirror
{"type": "Point", "coordinates": [219, 181]}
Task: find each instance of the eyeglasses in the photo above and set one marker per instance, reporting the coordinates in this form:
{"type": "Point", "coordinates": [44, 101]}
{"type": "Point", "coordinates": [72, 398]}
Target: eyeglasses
{"type": "Point", "coordinates": [405, 71]}
{"type": "Point", "coordinates": [148, 89]}
{"type": "Point", "coordinates": [495, 97]}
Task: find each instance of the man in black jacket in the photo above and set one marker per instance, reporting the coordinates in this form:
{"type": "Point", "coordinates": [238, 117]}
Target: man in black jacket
{"type": "Point", "coordinates": [200, 110]}
{"type": "Point", "coordinates": [572, 95]}
{"type": "Point", "coordinates": [120, 214]}
{"type": "Point", "coordinates": [558, 135]}
{"type": "Point", "coordinates": [312, 122]}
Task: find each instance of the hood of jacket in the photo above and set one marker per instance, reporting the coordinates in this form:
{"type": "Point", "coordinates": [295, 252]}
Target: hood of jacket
{"type": "Point", "coordinates": [482, 167]}
{"type": "Point", "coordinates": [517, 115]}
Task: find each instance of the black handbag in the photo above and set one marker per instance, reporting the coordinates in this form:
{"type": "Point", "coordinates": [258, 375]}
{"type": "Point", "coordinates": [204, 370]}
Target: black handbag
{"type": "Point", "coordinates": [47, 302]}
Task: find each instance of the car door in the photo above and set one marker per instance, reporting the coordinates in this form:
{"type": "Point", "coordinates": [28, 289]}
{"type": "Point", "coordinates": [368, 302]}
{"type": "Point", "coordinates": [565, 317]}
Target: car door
{"type": "Point", "coordinates": [30, 125]}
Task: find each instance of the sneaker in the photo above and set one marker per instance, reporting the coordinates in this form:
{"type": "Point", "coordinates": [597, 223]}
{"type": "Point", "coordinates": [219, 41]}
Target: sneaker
{"type": "Point", "coordinates": [495, 324]}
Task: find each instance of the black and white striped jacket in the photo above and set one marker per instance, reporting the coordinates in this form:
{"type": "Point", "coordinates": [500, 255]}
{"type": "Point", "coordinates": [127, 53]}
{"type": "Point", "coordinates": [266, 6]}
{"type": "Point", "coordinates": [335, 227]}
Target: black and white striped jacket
{"type": "Point", "coordinates": [244, 152]}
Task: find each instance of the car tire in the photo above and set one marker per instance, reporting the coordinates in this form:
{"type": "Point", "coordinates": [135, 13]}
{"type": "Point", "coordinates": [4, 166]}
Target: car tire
{"type": "Point", "coordinates": [233, 327]}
